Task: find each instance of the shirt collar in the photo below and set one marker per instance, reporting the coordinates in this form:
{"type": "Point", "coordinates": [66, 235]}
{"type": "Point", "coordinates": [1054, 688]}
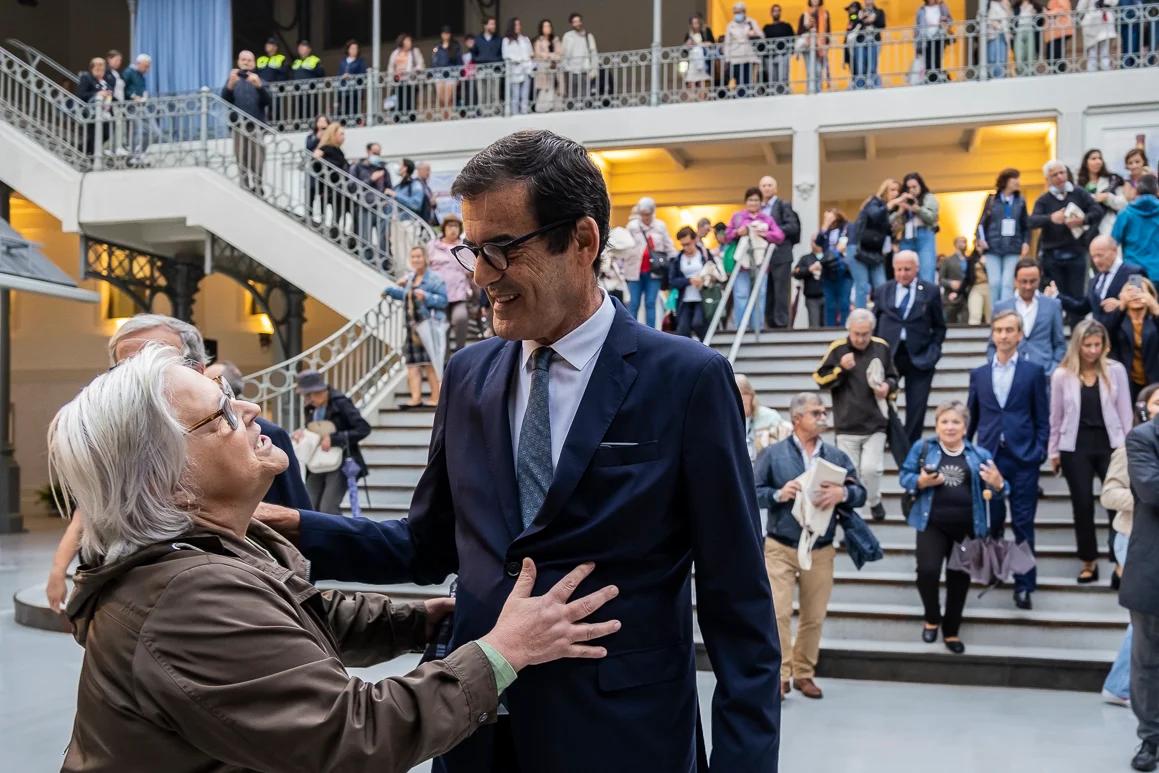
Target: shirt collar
{"type": "Point", "coordinates": [801, 449]}
{"type": "Point", "coordinates": [1021, 304]}
{"type": "Point", "coordinates": [1114, 269]}
{"type": "Point", "coordinates": [996, 365]}
{"type": "Point", "coordinates": [578, 347]}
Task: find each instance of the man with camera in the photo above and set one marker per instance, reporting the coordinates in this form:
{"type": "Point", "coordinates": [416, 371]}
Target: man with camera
{"type": "Point", "coordinates": [864, 36]}
{"type": "Point", "coordinates": [372, 171]}
{"type": "Point", "coordinates": [245, 91]}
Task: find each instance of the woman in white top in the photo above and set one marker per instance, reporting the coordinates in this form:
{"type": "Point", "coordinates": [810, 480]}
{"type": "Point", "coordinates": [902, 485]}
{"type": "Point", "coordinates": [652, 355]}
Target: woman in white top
{"type": "Point", "coordinates": [687, 274]}
{"type": "Point", "coordinates": [700, 44]}
{"type": "Point", "coordinates": [1099, 31]}
{"type": "Point", "coordinates": [999, 16]}
{"type": "Point", "coordinates": [933, 23]}
{"type": "Point", "coordinates": [546, 52]}
{"type": "Point", "coordinates": [1104, 185]}
{"type": "Point", "coordinates": [403, 66]}
{"type": "Point", "coordinates": [517, 55]}
{"type": "Point", "coordinates": [739, 50]}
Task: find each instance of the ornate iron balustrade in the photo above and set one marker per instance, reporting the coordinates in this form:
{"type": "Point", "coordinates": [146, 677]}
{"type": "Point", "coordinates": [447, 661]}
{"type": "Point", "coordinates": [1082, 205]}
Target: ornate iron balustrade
{"type": "Point", "coordinates": [363, 359]}
{"type": "Point", "coordinates": [46, 113]}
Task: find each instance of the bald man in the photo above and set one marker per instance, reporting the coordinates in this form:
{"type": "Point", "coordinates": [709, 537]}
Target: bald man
{"type": "Point", "coordinates": [1111, 274]}
{"type": "Point", "coordinates": [780, 269]}
{"type": "Point", "coordinates": [910, 318]}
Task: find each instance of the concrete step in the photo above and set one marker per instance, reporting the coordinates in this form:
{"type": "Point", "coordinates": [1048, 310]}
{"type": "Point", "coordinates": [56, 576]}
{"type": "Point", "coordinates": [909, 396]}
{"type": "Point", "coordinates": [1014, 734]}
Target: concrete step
{"type": "Point", "coordinates": [807, 364]}
{"type": "Point", "coordinates": [1054, 594]}
{"type": "Point", "coordinates": [787, 381]}
{"type": "Point", "coordinates": [1048, 531]}
{"type": "Point", "coordinates": [775, 347]}
{"type": "Point", "coordinates": [392, 417]}
{"type": "Point", "coordinates": [1052, 561]}
{"type": "Point", "coordinates": [827, 334]}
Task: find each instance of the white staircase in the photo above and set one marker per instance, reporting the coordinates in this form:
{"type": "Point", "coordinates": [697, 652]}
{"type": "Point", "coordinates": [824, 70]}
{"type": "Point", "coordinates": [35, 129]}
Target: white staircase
{"type": "Point", "coordinates": [872, 631]}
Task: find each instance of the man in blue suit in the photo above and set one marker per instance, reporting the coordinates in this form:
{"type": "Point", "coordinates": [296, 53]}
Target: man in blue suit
{"type": "Point", "coordinates": [1043, 343]}
{"type": "Point", "coordinates": [1010, 417]}
{"type": "Point", "coordinates": [910, 317]}
{"type": "Point", "coordinates": [1111, 274]}
{"type": "Point", "coordinates": [578, 435]}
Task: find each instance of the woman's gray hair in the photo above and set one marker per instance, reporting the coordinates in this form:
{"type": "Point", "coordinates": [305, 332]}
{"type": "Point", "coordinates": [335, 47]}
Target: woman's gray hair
{"type": "Point", "coordinates": [957, 406]}
{"type": "Point", "coordinates": [118, 451]}
{"type": "Point", "coordinates": [192, 343]}
{"type": "Point", "coordinates": [646, 204]}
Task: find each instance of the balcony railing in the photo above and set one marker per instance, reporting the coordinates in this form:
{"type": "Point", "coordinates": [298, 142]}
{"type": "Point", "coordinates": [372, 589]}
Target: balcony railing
{"type": "Point", "coordinates": [970, 50]}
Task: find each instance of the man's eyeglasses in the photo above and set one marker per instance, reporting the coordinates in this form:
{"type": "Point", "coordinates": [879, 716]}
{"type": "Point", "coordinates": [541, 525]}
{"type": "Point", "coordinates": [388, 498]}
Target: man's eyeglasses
{"type": "Point", "coordinates": [224, 411]}
{"type": "Point", "coordinates": [496, 253]}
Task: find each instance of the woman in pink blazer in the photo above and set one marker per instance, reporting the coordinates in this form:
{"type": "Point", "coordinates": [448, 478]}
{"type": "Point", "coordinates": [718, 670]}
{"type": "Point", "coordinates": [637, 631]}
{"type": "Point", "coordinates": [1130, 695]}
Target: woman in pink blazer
{"type": "Point", "coordinates": [1090, 415]}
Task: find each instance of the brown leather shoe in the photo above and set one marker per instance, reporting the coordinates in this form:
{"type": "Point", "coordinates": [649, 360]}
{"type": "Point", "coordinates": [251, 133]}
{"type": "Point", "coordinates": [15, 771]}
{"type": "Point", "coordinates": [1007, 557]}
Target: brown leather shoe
{"type": "Point", "coordinates": [808, 688]}
{"type": "Point", "coordinates": [785, 689]}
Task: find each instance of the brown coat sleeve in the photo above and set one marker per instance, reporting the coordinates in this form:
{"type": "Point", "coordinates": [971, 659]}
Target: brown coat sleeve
{"type": "Point", "coordinates": [226, 660]}
{"type": "Point", "coordinates": [370, 628]}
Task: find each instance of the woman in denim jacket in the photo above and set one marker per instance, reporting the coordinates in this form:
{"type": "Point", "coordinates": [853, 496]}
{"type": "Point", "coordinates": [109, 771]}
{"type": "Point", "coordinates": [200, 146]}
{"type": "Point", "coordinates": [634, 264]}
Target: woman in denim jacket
{"type": "Point", "coordinates": [425, 297]}
{"type": "Point", "coordinates": [946, 476]}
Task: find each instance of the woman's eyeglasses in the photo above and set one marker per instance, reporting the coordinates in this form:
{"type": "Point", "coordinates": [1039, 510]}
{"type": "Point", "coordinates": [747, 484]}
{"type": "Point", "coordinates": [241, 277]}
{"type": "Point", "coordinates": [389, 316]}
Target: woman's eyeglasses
{"type": "Point", "coordinates": [496, 253]}
{"type": "Point", "coordinates": [224, 411]}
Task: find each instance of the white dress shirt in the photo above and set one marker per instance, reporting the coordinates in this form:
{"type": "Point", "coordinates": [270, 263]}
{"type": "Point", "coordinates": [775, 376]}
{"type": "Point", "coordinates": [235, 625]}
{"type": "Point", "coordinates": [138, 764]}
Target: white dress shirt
{"type": "Point", "coordinates": [570, 370]}
{"type": "Point", "coordinates": [1103, 282]}
{"type": "Point", "coordinates": [899, 293]}
{"type": "Point", "coordinates": [1028, 312]}
{"type": "Point", "coordinates": [1003, 377]}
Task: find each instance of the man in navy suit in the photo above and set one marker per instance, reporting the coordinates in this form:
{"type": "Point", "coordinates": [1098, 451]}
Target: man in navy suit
{"type": "Point", "coordinates": [909, 316]}
{"type": "Point", "coordinates": [578, 435]}
{"type": "Point", "coordinates": [1010, 417]}
{"type": "Point", "coordinates": [1111, 273]}
{"type": "Point", "coordinates": [1043, 342]}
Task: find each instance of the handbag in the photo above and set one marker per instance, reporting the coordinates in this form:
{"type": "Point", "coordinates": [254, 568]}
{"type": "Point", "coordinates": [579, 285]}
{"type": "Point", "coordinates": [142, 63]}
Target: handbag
{"type": "Point", "coordinates": [728, 258]}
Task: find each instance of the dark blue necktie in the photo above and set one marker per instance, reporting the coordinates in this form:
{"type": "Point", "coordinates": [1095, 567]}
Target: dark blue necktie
{"type": "Point", "coordinates": [904, 302]}
{"type": "Point", "coordinates": [533, 467]}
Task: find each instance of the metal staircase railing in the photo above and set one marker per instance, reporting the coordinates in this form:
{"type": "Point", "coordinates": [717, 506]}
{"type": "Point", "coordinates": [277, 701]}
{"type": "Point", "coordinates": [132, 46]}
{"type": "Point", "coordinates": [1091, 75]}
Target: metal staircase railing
{"type": "Point", "coordinates": [36, 58]}
{"type": "Point", "coordinates": [40, 109]}
{"type": "Point", "coordinates": [362, 359]}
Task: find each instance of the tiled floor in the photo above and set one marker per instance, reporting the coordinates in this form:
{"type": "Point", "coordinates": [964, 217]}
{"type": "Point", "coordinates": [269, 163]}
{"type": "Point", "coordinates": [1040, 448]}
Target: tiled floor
{"type": "Point", "coordinates": [860, 727]}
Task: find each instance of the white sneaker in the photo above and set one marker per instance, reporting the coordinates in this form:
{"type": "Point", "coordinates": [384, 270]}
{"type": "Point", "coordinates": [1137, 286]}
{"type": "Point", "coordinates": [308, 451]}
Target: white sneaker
{"type": "Point", "coordinates": [1115, 700]}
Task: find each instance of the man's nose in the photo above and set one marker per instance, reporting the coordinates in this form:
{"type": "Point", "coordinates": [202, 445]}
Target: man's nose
{"type": "Point", "coordinates": [484, 274]}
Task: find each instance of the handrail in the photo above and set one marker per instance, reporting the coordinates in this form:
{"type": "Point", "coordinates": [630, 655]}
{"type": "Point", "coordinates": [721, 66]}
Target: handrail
{"type": "Point", "coordinates": [362, 359]}
{"type": "Point", "coordinates": [719, 314]}
{"type": "Point", "coordinates": [36, 56]}
{"type": "Point", "coordinates": [39, 108]}
{"type": "Point", "coordinates": [754, 296]}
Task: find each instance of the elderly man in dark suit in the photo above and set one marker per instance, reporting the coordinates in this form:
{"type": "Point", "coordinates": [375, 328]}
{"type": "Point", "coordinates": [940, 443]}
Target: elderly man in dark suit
{"type": "Point", "coordinates": [909, 316]}
{"type": "Point", "coordinates": [1043, 342]}
{"type": "Point", "coordinates": [1140, 590]}
{"type": "Point", "coordinates": [1111, 273]}
{"type": "Point", "coordinates": [555, 442]}
{"type": "Point", "coordinates": [1010, 417]}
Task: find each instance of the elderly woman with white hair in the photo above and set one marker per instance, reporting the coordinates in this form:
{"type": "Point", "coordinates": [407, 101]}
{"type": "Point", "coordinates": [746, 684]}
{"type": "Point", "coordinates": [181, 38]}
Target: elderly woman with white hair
{"type": "Point", "coordinates": [650, 275]}
{"type": "Point", "coordinates": [763, 425]}
{"type": "Point", "coordinates": [1065, 213]}
{"type": "Point", "coordinates": [206, 646]}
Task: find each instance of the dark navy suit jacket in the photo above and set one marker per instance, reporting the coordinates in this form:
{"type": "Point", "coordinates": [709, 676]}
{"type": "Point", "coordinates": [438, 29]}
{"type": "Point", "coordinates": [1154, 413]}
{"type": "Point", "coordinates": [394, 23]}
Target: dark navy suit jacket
{"type": "Point", "coordinates": [288, 489]}
{"type": "Point", "coordinates": [654, 475]}
{"type": "Point", "coordinates": [1092, 304]}
{"type": "Point", "coordinates": [1024, 422]}
{"type": "Point", "coordinates": [925, 325]}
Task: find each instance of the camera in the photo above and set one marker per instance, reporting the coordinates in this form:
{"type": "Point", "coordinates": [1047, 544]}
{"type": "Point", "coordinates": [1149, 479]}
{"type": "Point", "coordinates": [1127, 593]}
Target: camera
{"type": "Point", "coordinates": [244, 74]}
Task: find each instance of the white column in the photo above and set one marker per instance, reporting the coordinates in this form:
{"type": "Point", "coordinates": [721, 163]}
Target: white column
{"type": "Point", "coordinates": [376, 32]}
{"type": "Point", "coordinates": [1070, 142]}
{"type": "Point", "coordinates": [806, 197]}
{"type": "Point", "coordinates": [657, 10]}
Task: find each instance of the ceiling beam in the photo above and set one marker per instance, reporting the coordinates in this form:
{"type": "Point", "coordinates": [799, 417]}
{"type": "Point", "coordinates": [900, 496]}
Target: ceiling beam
{"type": "Point", "coordinates": [870, 147]}
{"type": "Point", "coordinates": [969, 140]}
{"type": "Point", "coordinates": [679, 157]}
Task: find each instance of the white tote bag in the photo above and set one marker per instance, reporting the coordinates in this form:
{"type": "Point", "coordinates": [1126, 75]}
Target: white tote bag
{"type": "Point", "coordinates": [433, 334]}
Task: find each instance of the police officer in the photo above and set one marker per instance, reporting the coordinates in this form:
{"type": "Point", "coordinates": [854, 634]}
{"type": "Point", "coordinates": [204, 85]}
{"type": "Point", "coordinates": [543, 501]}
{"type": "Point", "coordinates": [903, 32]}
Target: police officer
{"type": "Point", "coordinates": [272, 64]}
{"type": "Point", "coordinates": [305, 67]}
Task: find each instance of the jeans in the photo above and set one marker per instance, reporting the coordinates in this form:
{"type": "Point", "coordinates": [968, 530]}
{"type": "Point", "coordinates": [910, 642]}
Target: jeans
{"type": "Point", "coordinates": [859, 66]}
{"type": "Point", "coordinates": [778, 71]}
{"type": "Point", "coordinates": [865, 279]}
{"type": "Point", "coordinates": [648, 288]}
{"type": "Point", "coordinates": [996, 57]}
{"type": "Point", "coordinates": [374, 233]}
{"type": "Point", "coordinates": [872, 53]}
{"type": "Point", "coordinates": [1024, 56]}
{"type": "Point", "coordinates": [837, 299]}
{"type": "Point", "coordinates": [1118, 680]}
{"type": "Point", "coordinates": [924, 243]}
{"type": "Point", "coordinates": [690, 319]}
{"type": "Point", "coordinates": [1099, 56]}
{"type": "Point", "coordinates": [1000, 274]}
{"type": "Point", "coordinates": [741, 290]}
{"type": "Point", "coordinates": [519, 96]}
{"type": "Point", "coordinates": [814, 69]}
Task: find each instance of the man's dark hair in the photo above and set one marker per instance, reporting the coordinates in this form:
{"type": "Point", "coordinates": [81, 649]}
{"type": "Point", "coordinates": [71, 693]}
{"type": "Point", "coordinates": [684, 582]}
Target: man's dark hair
{"type": "Point", "coordinates": [370, 145]}
{"type": "Point", "coordinates": [685, 231]}
{"type": "Point", "coordinates": [752, 192]}
{"type": "Point", "coordinates": [571, 16]}
{"type": "Point", "coordinates": [1027, 263]}
{"type": "Point", "coordinates": [1148, 184]}
{"type": "Point", "coordinates": [562, 181]}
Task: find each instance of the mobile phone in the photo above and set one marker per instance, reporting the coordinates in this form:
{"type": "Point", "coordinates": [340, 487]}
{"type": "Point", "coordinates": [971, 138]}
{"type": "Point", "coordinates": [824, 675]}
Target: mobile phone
{"type": "Point", "coordinates": [1136, 281]}
{"type": "Point", "coordinates": [931, 469]}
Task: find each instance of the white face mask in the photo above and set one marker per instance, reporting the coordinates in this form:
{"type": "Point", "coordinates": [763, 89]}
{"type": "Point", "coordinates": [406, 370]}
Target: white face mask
{"type": "Point", "coordinates": [738, 16]}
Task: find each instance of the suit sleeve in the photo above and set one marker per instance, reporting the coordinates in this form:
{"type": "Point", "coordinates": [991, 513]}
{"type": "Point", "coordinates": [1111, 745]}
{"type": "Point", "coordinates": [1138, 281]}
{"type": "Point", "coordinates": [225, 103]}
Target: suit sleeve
{"type": "Point", "coordinates": [938, 322]}
{"type": "Point", "coordinates": [734, 601]}
{"type": "Point", "coordinates": [1057, 339]}
{"type": "Point", "coordinates": [972, 407]}
{"type": "Point", "coordinates": [1056, 414]}
{"type": "Point", "coordinates": [1143, 464]}
{"type": "Point", "coordinates": [1041, 416]}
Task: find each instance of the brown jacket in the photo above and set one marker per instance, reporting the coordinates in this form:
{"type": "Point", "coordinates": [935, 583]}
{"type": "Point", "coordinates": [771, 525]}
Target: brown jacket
{"type": "Point", "coordinates": [204, 655]}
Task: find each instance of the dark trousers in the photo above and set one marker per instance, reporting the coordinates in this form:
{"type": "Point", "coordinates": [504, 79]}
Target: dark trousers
{"type": "Point", "coordinates": [933, 550]}
{"type": "Point", "coordinates": [1023, 499]}
{"type": "Point", "coordinates": [691, 320]}
{"type": "Point", "coordinates": [1069, 273]}
{"type": "Point", "coordinates": [742, 74]}
{"type": "Point", "coordinates": [932, 52]}
{"type": "Point", "coordinates": [917, 392]}
{"type": "Point", "coordinates": [815, 307]}
{"type": "Point", "coordinates": [1145, 674]}
{"type": "Point", "coordinates": [1080, 467]}
{"type": "Point", "coordinates": [503, 756]}
{"type": "Point", "coordinates": [780, 288]}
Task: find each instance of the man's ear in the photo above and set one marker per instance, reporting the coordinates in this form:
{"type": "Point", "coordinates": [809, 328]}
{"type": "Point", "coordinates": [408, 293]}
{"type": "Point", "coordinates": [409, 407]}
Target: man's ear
{"type": "Point", "coordinates": [587, 235]}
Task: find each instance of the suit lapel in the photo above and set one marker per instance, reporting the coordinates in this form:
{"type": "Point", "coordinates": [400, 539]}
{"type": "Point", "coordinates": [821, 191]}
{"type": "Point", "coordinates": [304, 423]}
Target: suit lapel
{"type": "Point", "coordinates": [605, 393]}
{"type": "Point", "coordinates": [493, 405]}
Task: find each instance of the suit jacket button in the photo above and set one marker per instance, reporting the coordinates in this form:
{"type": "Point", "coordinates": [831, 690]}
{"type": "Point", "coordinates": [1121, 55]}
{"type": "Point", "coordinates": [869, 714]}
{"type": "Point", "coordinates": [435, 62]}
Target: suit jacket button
{"type": "Point", "coordinates": [513, 568]}
{"type": "Point", "coordinates": [483, 717]}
